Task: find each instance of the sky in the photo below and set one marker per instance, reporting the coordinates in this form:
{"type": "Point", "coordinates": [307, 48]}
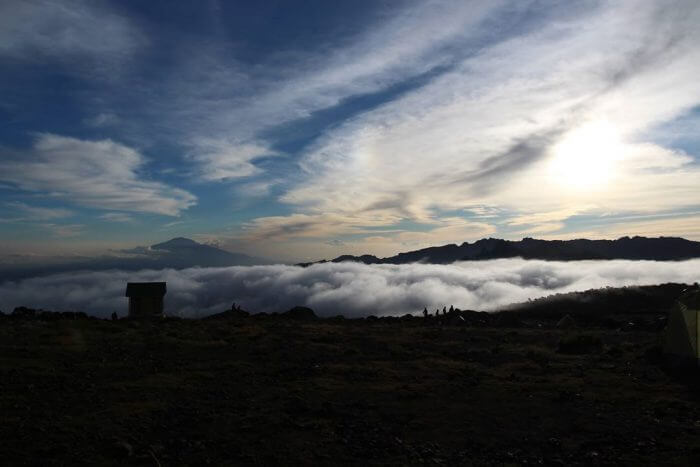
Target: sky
{"type": "Point", "coordinates": [298, 131]}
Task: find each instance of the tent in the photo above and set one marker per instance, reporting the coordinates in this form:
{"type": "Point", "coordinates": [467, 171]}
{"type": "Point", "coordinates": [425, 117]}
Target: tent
{"type": "Point", "coordinates": [681, 340]}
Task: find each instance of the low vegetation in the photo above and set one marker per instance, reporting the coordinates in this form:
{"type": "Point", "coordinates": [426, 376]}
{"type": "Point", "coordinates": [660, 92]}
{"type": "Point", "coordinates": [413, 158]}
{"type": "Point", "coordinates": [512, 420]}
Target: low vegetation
{"type": "Point", "coordinates": [295, 390]}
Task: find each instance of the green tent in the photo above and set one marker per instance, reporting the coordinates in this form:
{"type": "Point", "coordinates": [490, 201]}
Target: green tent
{"type": "Point", "coordinates": [681, 345]}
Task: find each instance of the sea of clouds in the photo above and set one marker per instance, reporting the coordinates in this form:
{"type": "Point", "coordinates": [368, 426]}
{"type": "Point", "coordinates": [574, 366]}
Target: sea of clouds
{"type": "Point", "coordinates": [350, 289]}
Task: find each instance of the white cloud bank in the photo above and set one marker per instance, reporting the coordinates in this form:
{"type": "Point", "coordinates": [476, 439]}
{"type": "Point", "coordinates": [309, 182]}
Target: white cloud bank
{"type": "Point", "coordinates": [350, 289]}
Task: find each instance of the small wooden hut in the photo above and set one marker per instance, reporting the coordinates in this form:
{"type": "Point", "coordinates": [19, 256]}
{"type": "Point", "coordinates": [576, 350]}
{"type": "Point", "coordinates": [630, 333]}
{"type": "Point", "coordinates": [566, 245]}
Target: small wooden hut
{"type": "Point", "coordinates": [145, 299]}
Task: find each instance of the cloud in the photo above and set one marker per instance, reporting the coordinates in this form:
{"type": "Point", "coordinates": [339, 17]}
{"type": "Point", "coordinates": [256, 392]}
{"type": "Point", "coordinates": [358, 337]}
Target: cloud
{"type": "Point", "coordinates": [305, 226]}
{"type": "Point", "coordinates": [301, 237]}
{"type": "Point", "coordinates": [256, 189]}
{"type": "Point", "coordinates": [485, 132]}
{"type": "Point", "coordinates": [99, 174]}
{"type": "Point", "coordinates": [116, 217]}
{"type": "Point", "coordinates": [350, 289]}
{"type": "Point", "coordinates": [225, 111]}
{"type": "Point", "coordinates": [64, 230]}
{"type": "Point", "coordinates": [103, 119]}
{"type": "Point", "coordinates": [32, 213]}
{"type": "Point", "coordinates": [221, 159]}
{"type": "Point", "coordinates": [75, 31]}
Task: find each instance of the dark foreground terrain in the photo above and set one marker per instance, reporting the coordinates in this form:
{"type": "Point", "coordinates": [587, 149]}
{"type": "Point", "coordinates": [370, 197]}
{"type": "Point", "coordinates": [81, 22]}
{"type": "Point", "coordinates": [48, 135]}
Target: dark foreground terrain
{"type": "Point", "coordinates": [274, 390]}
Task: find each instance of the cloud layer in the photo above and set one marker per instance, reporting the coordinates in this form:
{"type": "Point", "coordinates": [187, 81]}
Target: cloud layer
{"type": "Point", "coordinates": [350, 289]}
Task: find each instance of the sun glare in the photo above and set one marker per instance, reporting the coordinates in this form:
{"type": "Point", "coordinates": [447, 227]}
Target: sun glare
{"type": "Point", "coordinates": [586, 157]}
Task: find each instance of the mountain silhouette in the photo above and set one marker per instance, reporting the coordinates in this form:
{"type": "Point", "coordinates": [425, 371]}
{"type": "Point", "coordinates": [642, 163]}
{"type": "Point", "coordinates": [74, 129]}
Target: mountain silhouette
{"type": "Point", "coordinates": [178, 243]}
{"type": "Point", "coordinates": [184, 252]}
{"type": "Point", "coordinates": [634, 248]}
{"type": "Point", "coordinates": [177, 253]}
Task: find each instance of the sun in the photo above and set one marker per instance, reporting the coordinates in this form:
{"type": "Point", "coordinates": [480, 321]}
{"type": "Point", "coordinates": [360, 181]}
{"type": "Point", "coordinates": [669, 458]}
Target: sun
{"type": "Point", "coordinates": [585, 159]}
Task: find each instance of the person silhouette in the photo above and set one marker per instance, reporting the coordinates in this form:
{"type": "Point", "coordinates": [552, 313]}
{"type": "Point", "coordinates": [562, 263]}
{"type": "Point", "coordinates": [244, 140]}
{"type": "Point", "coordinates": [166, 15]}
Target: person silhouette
{"type": "Point", "coordinates": [425, 312]}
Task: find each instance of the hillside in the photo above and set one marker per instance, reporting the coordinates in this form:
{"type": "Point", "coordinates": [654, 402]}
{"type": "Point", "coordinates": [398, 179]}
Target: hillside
{"type": "Point", "coordinates": [289, 389]}
{"type": "Point", "coordinates": [632, 248]}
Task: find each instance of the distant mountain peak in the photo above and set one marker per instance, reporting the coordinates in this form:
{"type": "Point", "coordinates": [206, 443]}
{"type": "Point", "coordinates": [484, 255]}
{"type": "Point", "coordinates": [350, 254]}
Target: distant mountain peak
{"type": "Point", "coordinates": [177, 242]}
{"type": "Point", "coordinates": [185, 252]}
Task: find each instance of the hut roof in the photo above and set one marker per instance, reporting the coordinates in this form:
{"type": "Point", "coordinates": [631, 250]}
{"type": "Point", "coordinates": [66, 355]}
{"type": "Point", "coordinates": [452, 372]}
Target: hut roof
{"type": "Point", "coordinates": [145, 289]}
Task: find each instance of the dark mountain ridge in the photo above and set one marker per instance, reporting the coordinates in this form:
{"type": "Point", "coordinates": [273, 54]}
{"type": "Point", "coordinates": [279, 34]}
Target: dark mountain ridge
{"type": "Point", "coordinates": [632, 248]}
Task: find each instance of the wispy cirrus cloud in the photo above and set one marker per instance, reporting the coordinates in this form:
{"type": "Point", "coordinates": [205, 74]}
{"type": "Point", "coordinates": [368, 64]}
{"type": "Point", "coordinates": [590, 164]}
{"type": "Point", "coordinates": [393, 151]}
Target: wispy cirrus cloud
{"type": "Point", "coordinates": [99, 174]}
{"type": "Point", "coordinates": [225, 112]}
{"type": "Point", "coordinates": [75, 31]}
{"type": "Point", "coordinates": [64, 230]}
{"type": "Point", "coordinates": [103, 119]}
{"type": "Point", "coordinates": [116, 217]}
{"type": "Point", "coordinates": [28, 212]}
{"type": "Point", "coordinates": [506, 90]}
{"type": "Point", "coordinates": [487, 131]}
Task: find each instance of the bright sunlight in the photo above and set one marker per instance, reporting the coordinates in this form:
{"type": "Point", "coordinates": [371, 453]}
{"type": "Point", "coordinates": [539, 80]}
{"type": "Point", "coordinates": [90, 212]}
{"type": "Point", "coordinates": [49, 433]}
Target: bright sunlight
{"type": "Point", "coordinates": [586, 157]}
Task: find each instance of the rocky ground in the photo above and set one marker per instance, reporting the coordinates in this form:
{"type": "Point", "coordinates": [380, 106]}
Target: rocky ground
{"type": "Point", "coordinates": [293, 390]}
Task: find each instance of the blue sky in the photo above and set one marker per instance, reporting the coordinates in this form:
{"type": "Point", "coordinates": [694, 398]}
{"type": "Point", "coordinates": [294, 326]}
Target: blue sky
{"type": "Point", "coordinates": [302, 130]}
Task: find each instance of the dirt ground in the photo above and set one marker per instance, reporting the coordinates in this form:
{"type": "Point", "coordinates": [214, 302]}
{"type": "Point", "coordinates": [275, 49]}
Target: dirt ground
{"type": "Point", "coordinates": [273, 391]}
